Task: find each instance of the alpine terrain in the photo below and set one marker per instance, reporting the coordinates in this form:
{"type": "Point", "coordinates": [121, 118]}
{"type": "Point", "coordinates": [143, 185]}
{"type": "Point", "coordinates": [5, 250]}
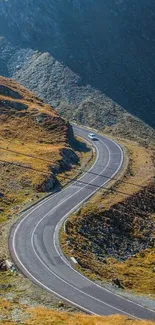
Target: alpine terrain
{"type": "Point", "coordinates": [92, 60]}
{"type": "Point", "coordinates": [64, 63]}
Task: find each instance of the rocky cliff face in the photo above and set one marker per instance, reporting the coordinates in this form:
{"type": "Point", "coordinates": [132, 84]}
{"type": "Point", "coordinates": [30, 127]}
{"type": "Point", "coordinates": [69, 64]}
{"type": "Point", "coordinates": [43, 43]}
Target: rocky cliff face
{"type": "Point", "coordinates": [107, 44]}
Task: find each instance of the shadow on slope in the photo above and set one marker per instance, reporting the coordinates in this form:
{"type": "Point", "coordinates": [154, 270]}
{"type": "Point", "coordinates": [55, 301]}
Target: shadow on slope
{"type": "Point", "coordinates": [107, 44]}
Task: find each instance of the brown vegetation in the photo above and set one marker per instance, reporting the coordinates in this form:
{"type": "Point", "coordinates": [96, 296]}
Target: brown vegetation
{"type": "Point", "coordinates": [12, 314]}
{"type": "Point", "coordinates": [35, 139]}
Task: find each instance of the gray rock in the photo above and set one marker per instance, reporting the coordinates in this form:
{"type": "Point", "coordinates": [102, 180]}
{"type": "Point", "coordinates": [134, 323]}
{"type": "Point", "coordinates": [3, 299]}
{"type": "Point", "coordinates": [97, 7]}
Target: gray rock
{"type": "Point", "coordinates": [117, 282]}
{"type": "Point", "coordinates": [97, 78]}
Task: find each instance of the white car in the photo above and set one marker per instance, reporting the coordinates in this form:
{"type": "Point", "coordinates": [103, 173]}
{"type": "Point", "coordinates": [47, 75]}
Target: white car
{"type": "Point", "coordinates": [92, 136]}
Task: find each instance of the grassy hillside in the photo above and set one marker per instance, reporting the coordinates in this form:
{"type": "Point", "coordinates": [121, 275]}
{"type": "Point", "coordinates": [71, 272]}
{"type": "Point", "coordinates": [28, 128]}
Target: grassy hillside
{"type": "Point", "coordinates": [112, 237]}
{"type": "Point", "coordinates": [13, 314]}
{"type": "Point", "coordinates": [34, 146]}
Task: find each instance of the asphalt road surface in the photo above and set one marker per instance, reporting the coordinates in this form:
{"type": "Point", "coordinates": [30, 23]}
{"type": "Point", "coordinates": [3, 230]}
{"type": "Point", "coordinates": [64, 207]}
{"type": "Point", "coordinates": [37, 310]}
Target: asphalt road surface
{"type": "Point", "coordinates": [34, 243]}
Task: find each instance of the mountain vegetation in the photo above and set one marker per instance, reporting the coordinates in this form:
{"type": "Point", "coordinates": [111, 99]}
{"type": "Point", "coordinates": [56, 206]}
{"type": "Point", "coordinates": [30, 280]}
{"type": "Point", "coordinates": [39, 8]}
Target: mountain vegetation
{"type": "Point", "coordinates": [14, 313]}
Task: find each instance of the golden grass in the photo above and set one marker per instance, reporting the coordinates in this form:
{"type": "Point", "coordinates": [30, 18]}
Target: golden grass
{"type": "Point", "coordinates": [43, 316]}
{"type": "Point", "coordinates": [135, 273]}
{"type": "Point", "coordinates": [22, 178]}
{"type": "Point", "coordinates": [55, 318]}
{"type": "Point", "coordinates": [20, 132]}
{"type": "Point", "coordinates": [141, 170]}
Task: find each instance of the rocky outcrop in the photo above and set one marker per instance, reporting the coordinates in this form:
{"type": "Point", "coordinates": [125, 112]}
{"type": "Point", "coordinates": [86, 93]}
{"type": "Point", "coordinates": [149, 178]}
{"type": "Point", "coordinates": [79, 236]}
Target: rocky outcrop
{"type": "Point", "coordinates": [3, 266]}
{"type": "Point", "coordinates": [48, 184]}
{"type": "Point", "coordinates": [13, 105]}
{"type": "Point", "coordinates": [68, 157]}
{"type": "Point", "coordinates": [6, 91]}
{"type": "Point", "coordinates": [124, 230]}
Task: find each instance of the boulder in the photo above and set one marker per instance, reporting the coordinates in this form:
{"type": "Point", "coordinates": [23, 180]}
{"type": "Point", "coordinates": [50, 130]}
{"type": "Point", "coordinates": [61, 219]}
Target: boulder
{"type": "Point", "coordinates": [118, 283]}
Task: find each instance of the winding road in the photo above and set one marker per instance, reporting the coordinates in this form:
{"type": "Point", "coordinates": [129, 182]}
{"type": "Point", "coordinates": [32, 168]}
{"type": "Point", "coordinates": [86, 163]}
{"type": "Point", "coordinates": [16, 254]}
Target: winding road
{"type": "Point", "coordinates": [34, 244]}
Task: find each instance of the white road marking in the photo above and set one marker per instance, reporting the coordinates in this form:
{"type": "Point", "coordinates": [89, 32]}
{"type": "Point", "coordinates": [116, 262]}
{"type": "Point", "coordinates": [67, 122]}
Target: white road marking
{"type": "Point", "coordinates": [14, 235]}
{"type": "Point", "coordinates": [57, 193]}
{"type": "Point", "coordinates": [32, 236]}
{"type": "Point", "coordinates": [62, 257]}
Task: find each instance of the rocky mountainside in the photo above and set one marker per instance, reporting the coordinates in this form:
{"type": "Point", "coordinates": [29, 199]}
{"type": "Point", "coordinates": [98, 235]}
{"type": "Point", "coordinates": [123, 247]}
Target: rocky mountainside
{"type": "Point", "coordinates": [117, 244]}
{"type": "Point", "coordinates": [99, 68]}
{"type": "Point", "coordinates": [117, 232]}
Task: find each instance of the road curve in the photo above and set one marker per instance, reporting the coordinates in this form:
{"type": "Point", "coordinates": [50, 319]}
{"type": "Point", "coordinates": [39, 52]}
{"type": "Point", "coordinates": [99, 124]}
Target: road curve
{"type": "Point", "coordinates": [34, 245]}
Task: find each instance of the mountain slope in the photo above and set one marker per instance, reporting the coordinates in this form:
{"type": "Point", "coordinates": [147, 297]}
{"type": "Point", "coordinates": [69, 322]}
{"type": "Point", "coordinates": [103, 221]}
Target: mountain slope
{"type": "Point", "coordinates": [34, 145]}
{"type": "Point", "coordinates": [106, 48]}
